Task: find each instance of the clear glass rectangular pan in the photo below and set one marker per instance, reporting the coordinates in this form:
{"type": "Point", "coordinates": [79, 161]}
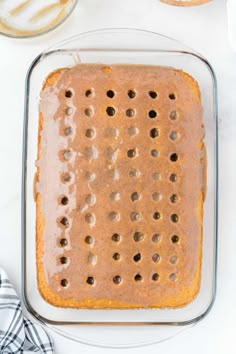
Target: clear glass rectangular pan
{"type": "Point", "coordinates": [129, 47]}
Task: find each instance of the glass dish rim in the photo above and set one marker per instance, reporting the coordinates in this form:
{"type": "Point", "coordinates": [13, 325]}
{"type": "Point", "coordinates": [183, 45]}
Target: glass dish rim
{"type": "Point", "coordinates": [43, 32]}
{"type": "Point", "coordinates": [51, 50]}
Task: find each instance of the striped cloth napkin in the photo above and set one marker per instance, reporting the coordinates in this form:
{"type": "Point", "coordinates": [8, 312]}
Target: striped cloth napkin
{"type": "Point", "coordinates": [17, 334]}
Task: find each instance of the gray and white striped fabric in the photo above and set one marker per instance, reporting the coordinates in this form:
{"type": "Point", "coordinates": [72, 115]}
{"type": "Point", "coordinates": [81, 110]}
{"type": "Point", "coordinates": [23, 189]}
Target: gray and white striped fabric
{"type": "Point", "coordinates": [17, 334]}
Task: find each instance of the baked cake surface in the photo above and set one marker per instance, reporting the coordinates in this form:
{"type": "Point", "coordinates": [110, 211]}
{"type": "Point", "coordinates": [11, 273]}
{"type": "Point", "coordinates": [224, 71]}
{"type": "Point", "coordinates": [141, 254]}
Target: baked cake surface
{"type": "Point", "coordinates": [120, 187]}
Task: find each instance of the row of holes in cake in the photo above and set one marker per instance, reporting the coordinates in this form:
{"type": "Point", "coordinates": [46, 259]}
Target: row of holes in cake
{"type": "Point", "coordinates": [112, 93]}
{"type": "Point", "coordinates": [117, 238]}
{"type": "Point", "coordinates": [117, 279]}
{"type": "Point", "coordinates": [135, 196]}
{"type": "Point", "coordinates": [136, 258]}
{"type": "Point", "coordinates": [114, 216]}
{"type": "Point", "coordinates": [91, 153]}
{"type": "Point", "coordinates": [111, 112]}
{"type": "Point", "coordinates": [133, 172]}
{"type": "Point", "coordinates": [132, 131]}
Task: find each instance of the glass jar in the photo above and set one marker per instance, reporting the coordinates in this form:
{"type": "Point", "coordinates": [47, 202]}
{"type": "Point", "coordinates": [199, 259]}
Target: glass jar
{"type": "Point", "coordinates": [28, 18]}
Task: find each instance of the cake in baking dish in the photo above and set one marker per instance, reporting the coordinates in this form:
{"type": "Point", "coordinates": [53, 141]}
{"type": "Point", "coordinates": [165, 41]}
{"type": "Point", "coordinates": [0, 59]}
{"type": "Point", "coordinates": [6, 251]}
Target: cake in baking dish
{"type": "Point", "coordinates": [119, 187]}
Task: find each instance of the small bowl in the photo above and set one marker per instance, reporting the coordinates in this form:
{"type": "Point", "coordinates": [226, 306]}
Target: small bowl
{"type": "Point", "coordinates": [185, 2]}
{"type": "Point", "coordinates": [29, 18]}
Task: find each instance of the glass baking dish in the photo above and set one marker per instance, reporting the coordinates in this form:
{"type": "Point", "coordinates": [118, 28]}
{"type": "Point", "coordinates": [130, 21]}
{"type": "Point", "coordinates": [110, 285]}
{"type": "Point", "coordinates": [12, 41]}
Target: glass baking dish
{"type": "Point", "coordinates": [130, 47]}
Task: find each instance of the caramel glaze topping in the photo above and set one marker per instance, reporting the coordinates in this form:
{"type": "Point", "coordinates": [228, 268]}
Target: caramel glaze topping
{"type": "Point", "coordinates": [121, 169]}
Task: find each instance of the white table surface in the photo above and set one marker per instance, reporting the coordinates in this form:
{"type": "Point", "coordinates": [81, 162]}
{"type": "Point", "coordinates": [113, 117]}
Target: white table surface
{"type": "Point", "coordinates": [203, 28]}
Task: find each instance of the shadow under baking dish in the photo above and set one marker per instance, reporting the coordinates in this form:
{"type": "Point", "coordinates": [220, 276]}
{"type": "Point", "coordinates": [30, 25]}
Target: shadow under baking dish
{"type": "Point", "coordinates": [120, 46]}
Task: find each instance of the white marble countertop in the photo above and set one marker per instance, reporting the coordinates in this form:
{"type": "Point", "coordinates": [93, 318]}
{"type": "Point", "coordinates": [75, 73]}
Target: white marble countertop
{"type": "Point", "coordinates": [204, 28]}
